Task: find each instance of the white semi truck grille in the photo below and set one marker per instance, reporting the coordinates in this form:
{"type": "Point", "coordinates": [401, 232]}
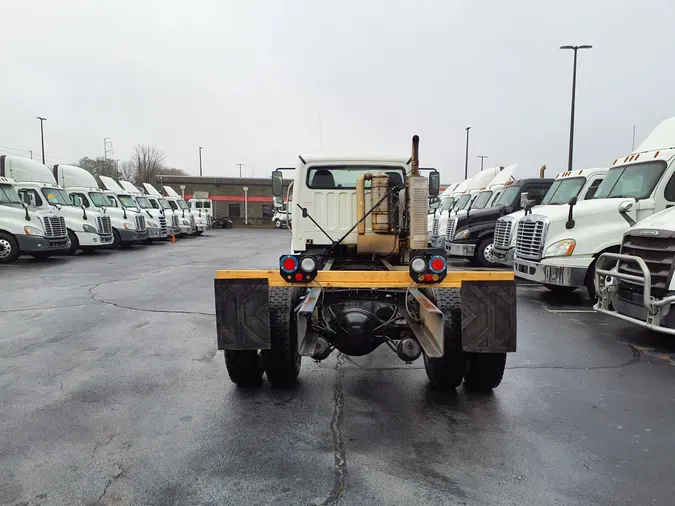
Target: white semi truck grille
{"type": "Point", "coordinates": [174, 221]}
{"type": "Point", "coordinates": [434, 228]}
{"type": "Point", "coordinates": [502, 238]}
{"type": "Point", "coordinates": [450, 229]}
{"type": "Point", "coordinates": [192, 220]}
{"type": "Point", "coordinates": [162, 224]}
{"type": "Point", "coordinates": [140, 223]}
{"type": "Point", "coordinates": [529, 239]}
{"type": "Point", "coordinates": [104, 225]}
{"type": "Point", "coordinates": [55, 226]}
{"type": "Point", "coordinates": [657, 252]}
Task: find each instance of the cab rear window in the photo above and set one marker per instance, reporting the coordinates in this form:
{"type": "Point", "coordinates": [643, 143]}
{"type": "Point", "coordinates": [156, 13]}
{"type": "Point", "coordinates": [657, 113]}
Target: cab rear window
{"type": "Point", "coordinates": [344, 176]}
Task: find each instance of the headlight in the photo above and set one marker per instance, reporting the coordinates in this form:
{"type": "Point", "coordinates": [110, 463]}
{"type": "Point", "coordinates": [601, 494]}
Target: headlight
{"type": "Point", "coordinates": [187, 223]}
{"type": "Point", "coordinates": [129, 226]}
{"type": "Point", "coordinates": [562, 248]}
{"type": "Point", "coordinates": [33, 231]}
{"type": "Point", "coordinates": [89, 228]}
{"type": "Point", "coordinates": [152, 224]}
{"type": "Point", "coordinates": [462, 234]}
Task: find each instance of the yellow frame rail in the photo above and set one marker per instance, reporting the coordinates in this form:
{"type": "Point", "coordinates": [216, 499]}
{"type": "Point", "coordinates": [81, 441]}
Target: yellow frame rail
{"type": "Point", "coordinates": [367, 279]}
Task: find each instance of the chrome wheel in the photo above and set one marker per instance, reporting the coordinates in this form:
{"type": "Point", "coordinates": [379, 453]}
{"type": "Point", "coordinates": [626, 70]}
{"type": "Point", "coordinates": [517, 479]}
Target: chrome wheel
{"type": "Point", "coordinates": [5, 248]}
{"type": "Point", "coordinates": [489, 253]}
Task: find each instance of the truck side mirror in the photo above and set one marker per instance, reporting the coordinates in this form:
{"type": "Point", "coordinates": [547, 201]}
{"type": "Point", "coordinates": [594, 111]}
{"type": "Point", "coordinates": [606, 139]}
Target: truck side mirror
{"type": "Point", "coordinates": [434, 183]}
{"type": "Point", "coordinates": [570, 217]}
{"type": "Point", "coordinates": [572, 201]}
{"type": "Point", "coordinates": [523, 200]}
{"type": "Point", "coordinates": [434, 203]}
{"type": "Point", "coordinates": [277, 183]}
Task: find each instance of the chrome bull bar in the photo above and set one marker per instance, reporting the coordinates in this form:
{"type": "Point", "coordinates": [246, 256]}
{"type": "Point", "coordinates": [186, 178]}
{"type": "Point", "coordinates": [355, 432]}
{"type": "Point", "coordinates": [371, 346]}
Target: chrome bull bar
{"type": "Point", "coordinates": [606, 286]}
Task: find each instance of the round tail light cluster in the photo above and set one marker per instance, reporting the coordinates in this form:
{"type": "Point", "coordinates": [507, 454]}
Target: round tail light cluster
{"type": "Point", "coordinates": [428, 266]}
{"type": "Point", "coordinates": [298, 268]}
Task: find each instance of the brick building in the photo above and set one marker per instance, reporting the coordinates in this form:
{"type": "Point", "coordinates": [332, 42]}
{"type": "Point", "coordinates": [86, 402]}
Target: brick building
{"type": "Point", "coordinates": [228, 197]}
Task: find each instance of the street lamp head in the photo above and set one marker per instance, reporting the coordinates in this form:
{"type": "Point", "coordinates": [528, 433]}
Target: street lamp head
{"type": "Point", "coordinates": [41, 118]}
{"type": "Point", "coordinates": [585, 46]}
{"type": "Point", "coordinates": [467, 128]}
{"type": "Point", "coordinates": [567, 47]}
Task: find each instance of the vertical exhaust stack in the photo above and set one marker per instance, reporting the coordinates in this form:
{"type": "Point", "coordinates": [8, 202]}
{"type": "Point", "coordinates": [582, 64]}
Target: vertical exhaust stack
{"type": "Point", "coordinates": [418, 200]}
{"type": "Point", "coordinates": [541, 171]}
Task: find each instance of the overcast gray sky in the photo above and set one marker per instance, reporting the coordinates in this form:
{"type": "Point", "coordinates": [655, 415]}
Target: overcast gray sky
{"type": "Point", "coordinates": [248, 80]}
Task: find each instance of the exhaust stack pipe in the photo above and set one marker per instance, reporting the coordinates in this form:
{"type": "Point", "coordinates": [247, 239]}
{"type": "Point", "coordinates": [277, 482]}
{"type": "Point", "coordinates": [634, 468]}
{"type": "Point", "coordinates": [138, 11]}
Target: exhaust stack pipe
{"type": "Point", "coordinates": [415, 159]}
{"type": "Point", "coordinates": [541, 171]}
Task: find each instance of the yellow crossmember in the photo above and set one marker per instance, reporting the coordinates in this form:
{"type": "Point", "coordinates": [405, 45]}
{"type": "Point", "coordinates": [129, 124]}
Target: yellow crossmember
{"type": "Point", "coordinates": [367, 279]}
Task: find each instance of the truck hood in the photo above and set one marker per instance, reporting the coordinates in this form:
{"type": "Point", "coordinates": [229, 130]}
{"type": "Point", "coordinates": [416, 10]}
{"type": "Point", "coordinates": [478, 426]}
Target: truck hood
{"type": "Point", "coordinates": [598, 225]}
{"type": "Point", "coordinates": [481, 215]}
{"type": "Point", "coordinates": [665, 220]}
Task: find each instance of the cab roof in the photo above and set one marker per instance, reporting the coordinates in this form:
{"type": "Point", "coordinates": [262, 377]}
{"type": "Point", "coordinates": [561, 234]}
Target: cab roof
{"type": "Point", "coordinates": [354, 157]}
{"type": "Point", "coordinates": [582, 172]}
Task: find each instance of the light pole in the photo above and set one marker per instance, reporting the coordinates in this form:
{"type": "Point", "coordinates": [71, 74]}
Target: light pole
{"type": "Point", "coordinates": [200, 161]}
{"type": "Point", "coordinates": [574, 94]}
{"type": "Point", "coordinates": [482, 157]}
{"type": "Point", "coordinates": [107, 148]}
{"type": "Point", "coordinates": [42, 137]}
{"type": "Point", "coordinates": [240, 166]}
{"type": "Point", "coordinates": [466, 156]}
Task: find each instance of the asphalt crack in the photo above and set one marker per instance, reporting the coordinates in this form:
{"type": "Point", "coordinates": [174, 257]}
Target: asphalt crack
{"type": "Point", "coordinates": [119, 473]}
{"type": "Point", "coordinates": [142, 310]}
{"type": "Point", "coordinates": [338, 489]}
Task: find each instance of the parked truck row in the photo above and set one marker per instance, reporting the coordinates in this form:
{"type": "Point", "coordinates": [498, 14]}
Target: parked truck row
{"type": "Point", "coordinates": [609, 230]}
{"type": "Point", "coordinates": [46, 211]}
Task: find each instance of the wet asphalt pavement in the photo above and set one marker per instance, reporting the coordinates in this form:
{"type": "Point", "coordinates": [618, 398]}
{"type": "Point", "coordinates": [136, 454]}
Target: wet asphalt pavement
{"type": "Point", "coordinates": [112, 393]}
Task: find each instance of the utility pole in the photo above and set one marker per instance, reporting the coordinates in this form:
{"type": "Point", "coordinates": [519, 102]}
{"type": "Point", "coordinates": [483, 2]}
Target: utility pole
{"type": "Point", "coordinates": [42, 137]}
{"type": "Point", "coordinates": [482, 157]}
{"type": "Point", "coordinates": [466, 156]}
{"type": "Point", "coordinates": [574, 93]}
{"type": "Point", "coordinates": [200, 161]}
{"type": "Point", "coordinates": [107, 142]}
{"type": "Point", "coordinates": [632, 149]}
{"type": "Point", "coordinates": [240, 166]}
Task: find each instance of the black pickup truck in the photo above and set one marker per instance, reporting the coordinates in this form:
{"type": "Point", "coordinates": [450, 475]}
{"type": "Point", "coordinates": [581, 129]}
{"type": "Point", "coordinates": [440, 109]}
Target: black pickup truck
{"type": "Point", "coordinates": [470, 235]}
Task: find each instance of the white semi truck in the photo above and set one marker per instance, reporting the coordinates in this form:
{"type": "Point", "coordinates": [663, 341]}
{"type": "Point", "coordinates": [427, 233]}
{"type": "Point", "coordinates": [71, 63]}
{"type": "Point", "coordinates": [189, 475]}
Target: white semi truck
{"type": "Point", "coordinates": [127, 227]}
{"type": "Point", "coordinates": [637, 285]}
{"type": "Point", "coordinates": [559, 246]}
{"type": "Point", "coordinates": [88, 230]}
{"type": "Point", "coordinates": [577, 183]}
{"type": "Point", "coordinates": [444, 202]}
{"type": "Point", "coordinates": [201, 215]}
{"type": "Point", "coordinates": [119, 197]}
{"type": "Point", "coordinates": [153, 215]}
{"type": "Point", "coordinates": [28, 231]}
{"type": "Point", "coordinates": [464, 194]}
{"type": "Point", "coordinates": [186, 222]}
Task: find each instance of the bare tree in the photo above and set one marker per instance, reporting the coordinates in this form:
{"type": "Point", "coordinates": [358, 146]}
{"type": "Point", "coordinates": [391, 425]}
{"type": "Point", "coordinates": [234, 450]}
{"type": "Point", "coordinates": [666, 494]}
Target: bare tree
{"type": "Point", "coordinates": [147, 162]}
{"type": "Point", "coordinates": [127, 171]}
{"type": "Point", "coordinates": [98, 166]}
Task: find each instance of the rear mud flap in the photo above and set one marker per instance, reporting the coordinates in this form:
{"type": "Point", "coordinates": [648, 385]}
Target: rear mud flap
{"type": "Point", "coordinates": [242, 314]}
{"type": "Point", "coordinates": [489, 316]}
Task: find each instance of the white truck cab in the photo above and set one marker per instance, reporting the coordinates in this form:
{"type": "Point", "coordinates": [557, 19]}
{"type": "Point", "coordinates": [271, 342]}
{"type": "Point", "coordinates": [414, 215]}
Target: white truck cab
{"type": "Point", "coordinates": [444, 203]}
{"type": "Point", "coordinates": [153, 216]}
{"type": "Point", "coordinates": [37, 187]}
{"type": "Point", "coordinates": [281, 216]}
{"type": "Point", "coordinates": [185, 220]}
{"type": "Point", "coordinates": [25, 230]}
{"type": "Point", "coordinates": [200, 201]}
{"type": "Point", "coordinates": [202, 214]}
{"type": "Point", "coordinates": [577, 183]}
{"type": "Point", "coordinates": [83, 190]}
{"type": "Point", "coordinates": [463, 195]}
{"type": "Point", "coordinates": [119, 197]}
{"type": "Point", "coordinates": [558, 246]}
{"type": "Point", "coordinates": [638, 284]}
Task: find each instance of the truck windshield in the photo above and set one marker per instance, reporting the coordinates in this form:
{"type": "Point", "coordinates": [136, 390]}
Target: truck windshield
{"type": "Point", "coordinates": [446, 203]}
{"type": "Point", "coordinates": [636, 181]}
{"type": "Point", "coordinates": [509, 196]}
{"type": "Point", "coordinates": [143, 203]}
{"type": "Point", "coordinates": [8, 195]}
{"type": "Point", "coordinates": [55, 196]}
{"type": "Point", "coordinates": [182, 204]}
{"type": "Point", "coordinates": [482, 200]}
{"type": "Point", "coordinates": [173, 205]}
{"type": "Point", "coordinates": [127, 201]}
{"type": "Point", "coordinates": [462, 202]}
{"type": "Point", "coordinates": [98, 199]}
{"type": "Point", "coordinates": [562, 190]}
{"type": "Point", "coordinates": [164, 204]}
{"type": "Point", "coordinates": [344, 176]}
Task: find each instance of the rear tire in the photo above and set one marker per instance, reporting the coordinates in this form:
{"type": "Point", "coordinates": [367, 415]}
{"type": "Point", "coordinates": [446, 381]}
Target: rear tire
{"type": "Point", "coordinates": [9, 248]}
{"type": "Point", "coordinates": [590, 281]}
{"type": "Point", "coordinates": [74, 242]}
{"type": "Point", "coordinates": [484, 371]}
{"type": "Point", "coordinates": [446, 373]}
{"type": "Point", "coordinates": [282, 361]}
{"type": "Point", "coordinates": [561, 290]}
{"type": "Point", "coordinates": [277, 223]}
{"type": "Point", "coordinates": [244, 367]}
